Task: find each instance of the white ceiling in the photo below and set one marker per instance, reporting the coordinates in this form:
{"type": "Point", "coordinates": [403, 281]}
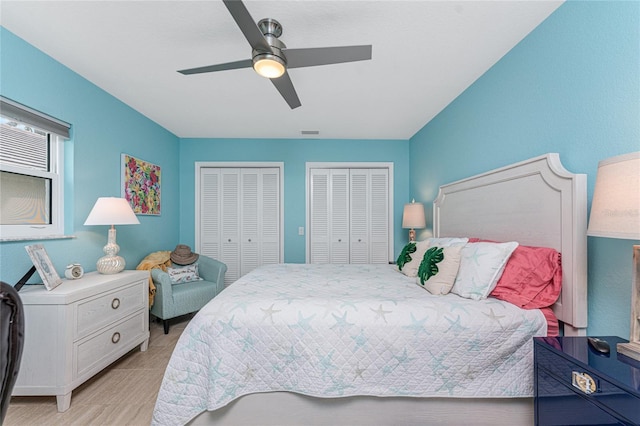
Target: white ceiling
{"type": "Point", "coordinates": [425, 53]}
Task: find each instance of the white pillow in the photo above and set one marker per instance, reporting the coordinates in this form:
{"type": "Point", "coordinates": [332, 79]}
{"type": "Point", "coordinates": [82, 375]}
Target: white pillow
{"type": "Point", "coordinates": [184, 274]}
{"type": "Point", "coordinates": [443, 263]}
{"type": "Point", "coordinates": [481, 267]}
{"type": "Point", "coordinates": [410, 268]}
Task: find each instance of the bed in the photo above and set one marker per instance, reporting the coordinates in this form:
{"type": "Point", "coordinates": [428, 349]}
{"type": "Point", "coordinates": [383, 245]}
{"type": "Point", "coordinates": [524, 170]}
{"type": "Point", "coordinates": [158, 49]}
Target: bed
{"type": "Point", "coordinates": [364, 344]}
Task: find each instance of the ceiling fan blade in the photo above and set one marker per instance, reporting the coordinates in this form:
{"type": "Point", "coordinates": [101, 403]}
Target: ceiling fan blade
{"type": "Point", "coordinates": [297, 58]}
{"type": "Point", "coordinates": [246, 63]}
{"type": "Point", "coordinates": [247, 25]}
{"type": "Point", "coordinates": [286, 89]}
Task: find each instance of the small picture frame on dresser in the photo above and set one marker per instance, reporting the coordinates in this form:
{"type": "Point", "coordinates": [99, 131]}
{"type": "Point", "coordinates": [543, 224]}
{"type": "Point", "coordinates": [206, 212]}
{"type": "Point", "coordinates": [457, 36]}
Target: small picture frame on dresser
{"type": "Point", "coordinates": [41, 261]}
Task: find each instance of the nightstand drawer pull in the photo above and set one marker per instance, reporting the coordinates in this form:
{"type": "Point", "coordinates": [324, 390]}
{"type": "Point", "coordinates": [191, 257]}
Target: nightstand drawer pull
{"type": "Point", "coordinates": [115, 338]}
{"type": "Point", "coordinates": [115, 303]}
{"type": "Point", "coordinates": [584, 382]}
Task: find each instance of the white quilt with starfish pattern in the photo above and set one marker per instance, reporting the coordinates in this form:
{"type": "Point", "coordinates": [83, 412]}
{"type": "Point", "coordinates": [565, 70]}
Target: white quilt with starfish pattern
{"type": "Point", "coordinates": [345, 330]}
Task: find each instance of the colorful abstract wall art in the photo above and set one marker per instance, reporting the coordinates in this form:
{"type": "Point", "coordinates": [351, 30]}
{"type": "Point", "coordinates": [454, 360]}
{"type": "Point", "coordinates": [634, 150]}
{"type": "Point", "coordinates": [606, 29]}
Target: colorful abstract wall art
{"type": "Point", "coordinates": [141, 185]}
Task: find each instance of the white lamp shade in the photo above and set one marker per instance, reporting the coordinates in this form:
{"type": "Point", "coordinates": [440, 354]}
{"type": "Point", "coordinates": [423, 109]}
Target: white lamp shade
{"type": "Point", "coordinates": [615, 209]}
{"type": "Point", "coordinates": [413, 216]}
{"type": "Point", "coordinates": [111, 211]}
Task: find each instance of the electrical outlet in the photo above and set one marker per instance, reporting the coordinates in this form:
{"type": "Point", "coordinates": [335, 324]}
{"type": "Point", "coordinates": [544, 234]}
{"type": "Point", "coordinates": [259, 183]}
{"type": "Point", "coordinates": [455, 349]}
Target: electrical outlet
{"type": "Point", "coordinates": [301, 230]}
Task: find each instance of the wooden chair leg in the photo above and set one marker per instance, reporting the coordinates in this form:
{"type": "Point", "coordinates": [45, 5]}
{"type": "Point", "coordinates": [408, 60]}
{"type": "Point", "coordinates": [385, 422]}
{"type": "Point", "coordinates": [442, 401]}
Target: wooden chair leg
{"type": "Point", "coordinates": [166, 326]}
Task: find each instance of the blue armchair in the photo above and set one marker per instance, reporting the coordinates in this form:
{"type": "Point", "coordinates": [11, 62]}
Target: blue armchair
{"type": "Point", "coordinates": [173, 300]}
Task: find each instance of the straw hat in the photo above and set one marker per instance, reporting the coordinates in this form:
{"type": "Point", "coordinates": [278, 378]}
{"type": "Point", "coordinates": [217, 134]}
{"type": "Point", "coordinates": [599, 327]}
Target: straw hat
{"type": "Point", "coordinates": [182, 255]}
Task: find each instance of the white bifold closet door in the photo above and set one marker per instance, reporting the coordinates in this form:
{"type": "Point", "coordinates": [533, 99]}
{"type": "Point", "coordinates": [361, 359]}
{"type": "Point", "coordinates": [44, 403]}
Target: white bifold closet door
{"type": "Point", "coordinates": [349, 215]}
{"type": "Point", "coordinates": [240, 217]}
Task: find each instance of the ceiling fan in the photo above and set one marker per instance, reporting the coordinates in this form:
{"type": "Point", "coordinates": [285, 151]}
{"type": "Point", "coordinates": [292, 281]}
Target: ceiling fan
{"type": "Point", "coordinates": [271, 58]}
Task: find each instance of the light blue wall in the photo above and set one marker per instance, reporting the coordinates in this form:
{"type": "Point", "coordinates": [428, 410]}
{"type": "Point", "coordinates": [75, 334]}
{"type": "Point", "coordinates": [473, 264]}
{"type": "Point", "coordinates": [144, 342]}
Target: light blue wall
{"type": "Point", "coordinates": [294, 153]}
{"type": "Point", "coordinates": [102, 129]}
{"type": "Point", "coordinates": [572, 87]}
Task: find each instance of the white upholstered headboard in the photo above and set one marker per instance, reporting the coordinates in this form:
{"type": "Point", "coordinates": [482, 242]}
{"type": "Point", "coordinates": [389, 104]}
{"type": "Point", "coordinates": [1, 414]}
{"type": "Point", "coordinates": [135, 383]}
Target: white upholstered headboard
{"type": "Point", "coordinates": [536, 202]}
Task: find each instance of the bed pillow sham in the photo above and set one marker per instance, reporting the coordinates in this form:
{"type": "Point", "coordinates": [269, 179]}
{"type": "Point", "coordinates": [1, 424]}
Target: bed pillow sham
{"type": "Point", "coordinates": [532, 278]}
{"type": "Point", "coordinates": [439, 268]}
{"type": "Point", "coordinates": [409, 260]}
{"type": "Point", "coordinates": [481, 266]}
{"type": "Point", "coordinates": [406, 255]}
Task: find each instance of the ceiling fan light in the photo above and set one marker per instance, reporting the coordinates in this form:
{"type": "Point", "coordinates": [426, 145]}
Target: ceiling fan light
{"type": "Point", "coordinates": [269, 66]}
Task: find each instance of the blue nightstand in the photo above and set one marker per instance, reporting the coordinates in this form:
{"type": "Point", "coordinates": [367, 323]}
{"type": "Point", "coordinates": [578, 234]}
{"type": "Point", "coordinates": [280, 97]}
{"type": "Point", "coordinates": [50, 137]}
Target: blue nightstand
{"type": "Point", "coordinates": [576, 385]}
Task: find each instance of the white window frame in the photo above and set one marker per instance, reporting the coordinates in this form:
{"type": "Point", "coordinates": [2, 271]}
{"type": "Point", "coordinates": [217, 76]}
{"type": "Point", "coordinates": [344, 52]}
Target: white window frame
{"type": "Point", "coordinates": [56, 175]}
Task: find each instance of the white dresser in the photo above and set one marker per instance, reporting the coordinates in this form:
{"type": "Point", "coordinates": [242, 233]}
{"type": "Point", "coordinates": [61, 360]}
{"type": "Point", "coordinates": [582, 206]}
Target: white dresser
{"type": "Point", "coordinates": [75, 330]}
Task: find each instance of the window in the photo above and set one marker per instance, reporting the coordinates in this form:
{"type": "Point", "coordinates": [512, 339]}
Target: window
{"type": "Point", "coordinates": [31, 173]}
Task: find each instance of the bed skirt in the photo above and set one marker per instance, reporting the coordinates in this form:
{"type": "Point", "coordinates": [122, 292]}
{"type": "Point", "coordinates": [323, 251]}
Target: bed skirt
{"type": "Point", "coordinates": [284, 409]}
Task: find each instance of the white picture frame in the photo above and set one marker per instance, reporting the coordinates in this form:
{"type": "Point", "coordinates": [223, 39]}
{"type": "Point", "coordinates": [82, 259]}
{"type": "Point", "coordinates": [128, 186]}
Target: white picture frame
{"type": "Point", "coordinates": [41, 261]}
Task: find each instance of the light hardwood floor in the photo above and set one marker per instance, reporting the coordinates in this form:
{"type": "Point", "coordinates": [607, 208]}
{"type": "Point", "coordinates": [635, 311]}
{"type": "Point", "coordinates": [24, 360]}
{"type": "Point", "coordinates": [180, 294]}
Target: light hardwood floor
{"type": "Point", "coordinates": [123, 394]}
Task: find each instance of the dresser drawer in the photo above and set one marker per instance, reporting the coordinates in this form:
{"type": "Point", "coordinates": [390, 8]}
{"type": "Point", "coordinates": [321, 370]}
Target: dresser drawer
{"type": "Point", "coordinates": [559, 405]}
{"type": "Point", "coordinates": [94, 314]}
{"type": "Point", "coordinates": [607, 395]}
{"type": "Point", "coordinates": [104, 348]}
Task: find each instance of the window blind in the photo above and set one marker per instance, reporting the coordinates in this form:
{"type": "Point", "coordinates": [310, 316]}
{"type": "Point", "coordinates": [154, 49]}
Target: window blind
{"type": "Point", "coordinates": [23, 147]}
{"type": "Point", "coordinates": [22, 113]}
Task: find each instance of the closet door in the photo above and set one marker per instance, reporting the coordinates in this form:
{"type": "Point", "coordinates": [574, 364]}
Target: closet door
{"type": "Point", "coordinates": [240, 220]}
{"type": "Point", "coordinates": [270, 216]}
{"type": "Point", "coordinates": [360, 204]}
{"type": "Point", "coordinates": [230, 223]}
{"type": "Point", "coordinates": [379, 216]}
{"type": "Point", "coordinates": [329, 216]}
{"type": "Point", "coordinates": [339, 215]}
{"type": "Point", "coordinates": [210, 237]}
{"type": "Point", "coordinates": [349, 215]}
{"type": "Point", "coordinates": [319, 247]}
{"type": "Point", "coordinates": [250, 240]}
{"type": "Point", "coordinates": [260, 218]}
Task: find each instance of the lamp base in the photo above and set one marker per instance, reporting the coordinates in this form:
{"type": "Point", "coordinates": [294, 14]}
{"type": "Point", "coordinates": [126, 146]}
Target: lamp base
{"type": "Point", "coordinates": [631, 349]}
{"type": "Point", "coordinates": [110, 264]}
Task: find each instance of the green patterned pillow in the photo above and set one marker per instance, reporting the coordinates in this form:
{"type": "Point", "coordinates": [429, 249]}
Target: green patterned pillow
{"type": "Point", "coordinates": [405, 255]}
{"type": "Point", "coordinates": [410, 257]}
{"type": "Point", "coordinates": [439, 268]}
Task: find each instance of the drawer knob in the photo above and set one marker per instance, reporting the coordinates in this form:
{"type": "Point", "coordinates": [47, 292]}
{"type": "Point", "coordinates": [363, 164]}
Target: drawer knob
{"type": "Point", "coordinates": [115, 338]}
{"type": "Point", "coordinates": [584, 382]}
{"type": "Point", "coordinates": [115, 303]}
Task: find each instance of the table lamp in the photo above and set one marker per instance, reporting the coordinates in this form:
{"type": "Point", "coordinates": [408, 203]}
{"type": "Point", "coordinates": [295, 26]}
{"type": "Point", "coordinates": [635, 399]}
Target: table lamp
{"type": "Point", "coordinates": [111, 211]}
{"type": "Point", "coordinates": [615, 213]}
{"type": "Point", "coordinates": [413, 218]}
